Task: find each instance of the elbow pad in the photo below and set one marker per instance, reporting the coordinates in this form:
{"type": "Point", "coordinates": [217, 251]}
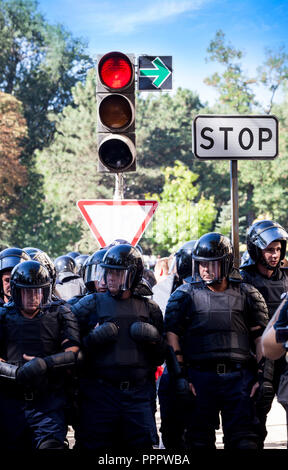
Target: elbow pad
{"type": "Point", "coordinates": [144, 332]}
{"type": "Point", "coordinates": [31, 370]}
{"type": "Point", "coordinates": [61, 360]}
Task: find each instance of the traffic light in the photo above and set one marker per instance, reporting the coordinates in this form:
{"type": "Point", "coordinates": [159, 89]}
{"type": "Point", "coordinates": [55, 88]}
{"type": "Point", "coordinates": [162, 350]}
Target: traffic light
{"type": "Point", "coordinates": [116, 112]}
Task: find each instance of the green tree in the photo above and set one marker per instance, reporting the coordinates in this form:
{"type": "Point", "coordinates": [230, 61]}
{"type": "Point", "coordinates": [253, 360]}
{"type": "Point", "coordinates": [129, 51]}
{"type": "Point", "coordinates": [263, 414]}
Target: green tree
{"type": "Point", "coordinates": [233, 86]}
{"type": "Point", "coordinates": [39, 64]}
{"type": "Point", "coordinates": [69, 163]}
{"type": "Point", "coordinates": [13, 131]}
{"type": "Point", "coordinates": [182, 214]}
{"type": "Point", "coordinates": [163, 132]}
{"type": "Point", "coordinates": [69, 169]}
{"type": "Point", "coordinates": [262, 185]}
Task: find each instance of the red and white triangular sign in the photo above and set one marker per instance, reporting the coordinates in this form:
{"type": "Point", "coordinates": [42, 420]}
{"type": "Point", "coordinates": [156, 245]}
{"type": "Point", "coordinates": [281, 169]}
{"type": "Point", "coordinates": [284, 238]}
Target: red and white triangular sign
{"type": "Point", "coordinates": [109, 220]}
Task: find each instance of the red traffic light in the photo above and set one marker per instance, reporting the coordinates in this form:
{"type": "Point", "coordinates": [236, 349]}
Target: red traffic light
{"type": "Point", "coordinates": [115, 70]}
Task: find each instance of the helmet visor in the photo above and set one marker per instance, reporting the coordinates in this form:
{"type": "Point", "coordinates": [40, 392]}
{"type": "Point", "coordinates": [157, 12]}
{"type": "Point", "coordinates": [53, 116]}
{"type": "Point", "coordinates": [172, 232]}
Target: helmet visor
{"type": "Point", "coordinates": [209, 271]}
{"type": "Point", "coordinates": [96, 274]}
{"type": "Point", "coordinates": [118, 279]}
{"type": "Point", "coordinates": [264, 238]}
{"type": "Point", "coordinates": [31, 299]}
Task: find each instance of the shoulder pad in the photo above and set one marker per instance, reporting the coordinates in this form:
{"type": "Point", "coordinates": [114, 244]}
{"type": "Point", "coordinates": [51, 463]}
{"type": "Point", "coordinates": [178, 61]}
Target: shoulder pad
{"type": "Point", "coordinates": [257, 299]}
{"type": "Point", "coordinates": [85, 305]}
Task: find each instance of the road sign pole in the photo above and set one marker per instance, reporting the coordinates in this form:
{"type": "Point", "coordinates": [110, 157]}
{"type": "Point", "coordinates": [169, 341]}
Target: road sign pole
{"type": "Point", "coordinates": [119, 187]}
{"type": "Point", "coordinates": [235, 209]}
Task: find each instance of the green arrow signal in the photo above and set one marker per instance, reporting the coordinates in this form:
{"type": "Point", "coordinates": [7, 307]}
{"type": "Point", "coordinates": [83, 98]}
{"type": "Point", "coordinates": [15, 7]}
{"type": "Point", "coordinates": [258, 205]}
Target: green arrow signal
{"type": "Point", "coordinates": [160, 72]}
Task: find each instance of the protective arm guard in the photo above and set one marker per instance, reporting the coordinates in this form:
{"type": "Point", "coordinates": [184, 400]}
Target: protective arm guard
{"type": "Point", "coordinates": [8, 371]}
{"type": "Point", "coordinates": [173, 365]}
{"type": "Point", "coordinates": [31, 371]}
{"type": "Point", "coordinates": [257, 313]}
{"type": "Point", "coordinates": [103, 334]}
{"type": "Point", "coordinates": [61, 360]}
{"type": "Point", "coordinates": [177, 375]}
{"type": "Point", "coordinates": [144, 332]}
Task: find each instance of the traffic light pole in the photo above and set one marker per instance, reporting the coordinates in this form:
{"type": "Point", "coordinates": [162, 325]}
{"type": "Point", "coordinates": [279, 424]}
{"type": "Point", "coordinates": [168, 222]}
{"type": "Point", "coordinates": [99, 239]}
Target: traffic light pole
{"type": "Point", "coordinates": [119, 187]}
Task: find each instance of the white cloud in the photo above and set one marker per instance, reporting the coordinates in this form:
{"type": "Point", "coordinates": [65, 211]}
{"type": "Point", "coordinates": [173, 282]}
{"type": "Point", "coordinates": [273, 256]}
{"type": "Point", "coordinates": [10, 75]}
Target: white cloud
{"type": "Point", "coordinates": [128, 16]}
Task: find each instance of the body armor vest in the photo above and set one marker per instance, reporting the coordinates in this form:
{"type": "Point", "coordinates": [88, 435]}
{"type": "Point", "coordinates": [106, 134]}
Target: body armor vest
{"type": "Point", "coordinates": [216, 327]}
{"type": "Point", "coordinates": [270, 289]}
{"type": "Point", "coordinates": [124, 351]}
{"type": "Point", "coordinates": [40, 336]}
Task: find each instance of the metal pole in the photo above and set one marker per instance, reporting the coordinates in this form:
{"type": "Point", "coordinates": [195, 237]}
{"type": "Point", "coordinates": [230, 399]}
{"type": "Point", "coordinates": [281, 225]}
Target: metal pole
{"type": "Point", "coordinates": [235, 210]}
{"type": "Point", "coordinates": [119, 187]}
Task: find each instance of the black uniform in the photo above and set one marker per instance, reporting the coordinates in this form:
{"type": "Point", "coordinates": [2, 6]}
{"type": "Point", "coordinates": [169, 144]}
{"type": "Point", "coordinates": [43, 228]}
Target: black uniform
{"type": "Point", "coordinates": [271, 288]}
{"type": "Point", "coordinates": [117, 385]}
{"type": "Point", "coordinates": [260, 236]}
{"type": "Point", "coordinates": [34, 414]}
{"type": "Point", "coordinates": [215, 331]}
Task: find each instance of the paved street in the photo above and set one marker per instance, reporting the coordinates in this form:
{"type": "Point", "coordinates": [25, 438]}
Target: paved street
{"type": "Point", "coordinates": [276, 425]}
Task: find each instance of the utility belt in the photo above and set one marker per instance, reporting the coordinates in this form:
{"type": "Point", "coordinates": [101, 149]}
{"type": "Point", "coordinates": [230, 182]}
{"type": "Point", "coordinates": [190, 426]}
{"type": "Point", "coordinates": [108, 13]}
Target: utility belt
{"type": "Point", "coordinates": [19, 393]}
{"type": "Point", "coordinates": [123, 385]}
{"type": "Point", "coordinates": [219, 367]}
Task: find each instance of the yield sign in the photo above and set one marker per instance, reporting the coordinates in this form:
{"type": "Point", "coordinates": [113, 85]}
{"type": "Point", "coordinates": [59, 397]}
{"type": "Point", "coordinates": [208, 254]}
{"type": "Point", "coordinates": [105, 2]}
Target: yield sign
{"type": "Point", "coordinates": [109, 220]}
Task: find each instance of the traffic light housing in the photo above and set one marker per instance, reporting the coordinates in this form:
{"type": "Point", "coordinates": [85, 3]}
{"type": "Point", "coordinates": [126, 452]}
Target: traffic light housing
{"type": "Point", "coordinates": [115, 92]}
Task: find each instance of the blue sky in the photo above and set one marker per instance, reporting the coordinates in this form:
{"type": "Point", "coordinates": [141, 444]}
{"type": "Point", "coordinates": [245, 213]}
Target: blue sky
{"type": "Point", "coordinates": [181, 28]}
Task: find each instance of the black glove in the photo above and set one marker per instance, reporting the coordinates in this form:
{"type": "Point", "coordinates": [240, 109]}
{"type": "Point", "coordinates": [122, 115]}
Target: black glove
{"type": "Point", "coordinates": [265, 392]}
{"type": "Point", "coordinates": [31, 373]}
{"type": "Point", "coordinates": [144, 332]}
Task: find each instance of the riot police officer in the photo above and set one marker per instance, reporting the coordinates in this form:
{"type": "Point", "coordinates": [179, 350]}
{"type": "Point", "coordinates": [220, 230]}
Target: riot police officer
{"type": "Point", "coordinates": [211, 324]}
{"type": "Point", "coordinates": [173, 409]}
{"type": "Point", "coordinates": [39, 340]}
{"type": "Point", "coordinates": [79, 261]}
{"type": "Point", "coordinates": [92, 275]}
{"type": "Point", "coordinates": [266, 246]}
{"type": "Point", "coordinates": [122, 343]}
{"type": "Point", "coordinates": [68, 283]}
{"type": "Point", "coordinates": [9, 257]}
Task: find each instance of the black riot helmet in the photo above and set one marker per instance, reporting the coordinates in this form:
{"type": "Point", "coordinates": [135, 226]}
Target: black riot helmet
{"type": "Point", "coordinates": [31, 250]}
{"type": "Point", "coordinates": [93, 271]}
{"type": "Point", "coordinates": [127, 260]}
{"type": "Point", "coordinates": [73, 254]}
{"type": "Point", "coordinates": [65, 263]}
{"type": "Point", "coordinates": [10, 257]}
{"type": "Point", "coordinates": [30, 277]}
{"type": "Point", "coordinates": [214, 251]}
{"type": "Point", "coordinates": [79, 261]}
{"type": "Point", "coordinates": [44, 259]}
{"type": "Point", "coordinates": [184, 260]}
{"type": "Point", "coordinates": [260, 235]}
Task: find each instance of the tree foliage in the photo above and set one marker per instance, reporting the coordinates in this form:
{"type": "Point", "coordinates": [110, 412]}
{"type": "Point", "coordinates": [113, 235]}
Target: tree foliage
{"type": "Point", "coordinates": [262, 184]}
{"type": "Point", "coordinates": [181, 215]}
{"type": "Point", "coordinates": [39, 64]}
{"type": "Point", "coordinates": [13, 131]}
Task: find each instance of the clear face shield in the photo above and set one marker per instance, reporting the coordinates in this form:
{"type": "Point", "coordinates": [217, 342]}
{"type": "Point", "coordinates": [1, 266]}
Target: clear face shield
{"type": "Point", "coordinates": [209, 271]}
{"type": "Point", "coordinates": [32, 298]}
{"type": "Point", "coordinates": [118, 280]}
{"type": "Point", "coordinates": [95, 273]}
